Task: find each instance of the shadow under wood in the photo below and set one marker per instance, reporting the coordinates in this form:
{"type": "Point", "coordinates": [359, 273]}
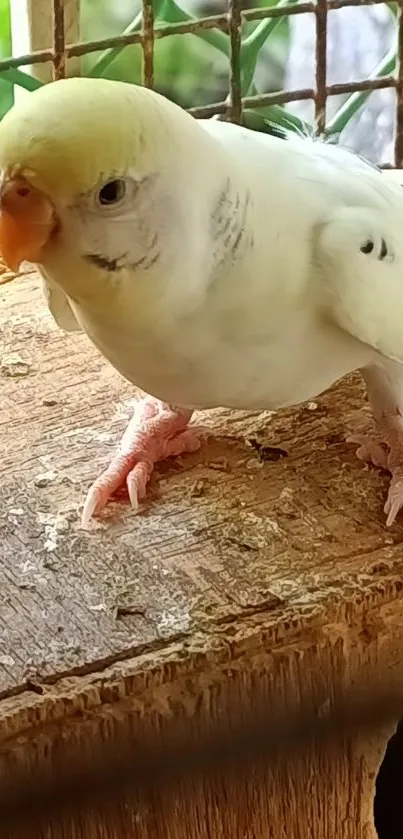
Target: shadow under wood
{"type": "Point", "coordinates": [388, 804]}
{"type": "Point", "coordinates": [262, 778]}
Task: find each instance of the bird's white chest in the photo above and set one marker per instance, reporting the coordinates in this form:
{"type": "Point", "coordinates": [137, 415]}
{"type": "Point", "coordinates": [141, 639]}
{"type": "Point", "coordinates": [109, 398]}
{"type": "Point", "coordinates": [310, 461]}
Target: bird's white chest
{"type": "Point", "coordinates": [199, 365]}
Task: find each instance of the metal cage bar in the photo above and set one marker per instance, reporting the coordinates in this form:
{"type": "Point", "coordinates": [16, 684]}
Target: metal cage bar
{"type": "Point", "coordinates": [234, 26]}
{"type": "Point", "coordinates": [147, 43]}
{"type": "Point", "coordinates": [185, 27]}
{"type": "Point", "coordinates": [321, 66]}
{"type": "Point", "coordinates": [59, 41]}
{"type": "Point", "coordinates": [231, 23]}
{"type": "Point", "coordinates": [399, 90]}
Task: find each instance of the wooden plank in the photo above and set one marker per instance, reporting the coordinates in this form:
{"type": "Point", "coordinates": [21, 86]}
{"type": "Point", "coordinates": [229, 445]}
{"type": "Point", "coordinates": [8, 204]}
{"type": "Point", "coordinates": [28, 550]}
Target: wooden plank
{"type": "Point", "coordinates": [240, 574]}
{"type": "Point", "coordinates": [226, 536]}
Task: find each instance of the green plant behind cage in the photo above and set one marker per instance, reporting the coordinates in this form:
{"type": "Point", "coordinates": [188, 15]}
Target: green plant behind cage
{"type": "Point", "coordinates": [193, 69]}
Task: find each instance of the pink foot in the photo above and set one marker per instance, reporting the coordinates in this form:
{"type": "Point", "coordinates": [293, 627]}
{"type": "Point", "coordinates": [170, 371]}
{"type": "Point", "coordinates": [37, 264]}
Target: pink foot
{"type": "Point", "coordinates": [370, 450]}
{"type": "Point", "coordinates": [156, 431]}
{"type": "Point", "coordinates": [394, 501]}
{"type": "Point", "coordinates": [387, 456]}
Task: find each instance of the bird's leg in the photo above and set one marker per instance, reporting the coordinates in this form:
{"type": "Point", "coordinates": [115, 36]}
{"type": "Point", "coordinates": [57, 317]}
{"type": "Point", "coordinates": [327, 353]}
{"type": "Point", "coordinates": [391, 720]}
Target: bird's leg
{"type": "Point", "coordinates": [156, 431]}
{"type": "Point", "coordinates": [385, 391]}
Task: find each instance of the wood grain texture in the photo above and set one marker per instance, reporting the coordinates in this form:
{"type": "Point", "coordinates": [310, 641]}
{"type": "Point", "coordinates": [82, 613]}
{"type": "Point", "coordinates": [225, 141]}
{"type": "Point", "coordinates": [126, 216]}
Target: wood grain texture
{"type": "Point", "coordinates": [240, 569]}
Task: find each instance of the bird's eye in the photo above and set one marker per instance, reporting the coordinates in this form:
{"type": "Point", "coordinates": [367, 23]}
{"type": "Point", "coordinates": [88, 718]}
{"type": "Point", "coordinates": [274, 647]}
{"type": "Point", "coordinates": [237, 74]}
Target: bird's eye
{"type": "Point", "coordinates": [112, 192]}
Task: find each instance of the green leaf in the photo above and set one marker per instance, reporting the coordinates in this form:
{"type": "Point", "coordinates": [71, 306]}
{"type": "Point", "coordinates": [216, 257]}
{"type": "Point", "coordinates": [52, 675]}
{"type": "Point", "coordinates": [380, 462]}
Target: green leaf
{"type": "Point", "coordinates": [165, 11]}
{"type": "Point", "coordinates": [275, 120]}
{"type": "Point", "coordinates": [15, 76]}
{"type": "Point", "coordinates": [109, 55]}
{"type": "Point", "coordinates": [252, 45]}
{"type": "Point", "coordinates": [172, 13]}
{"type": "Point", "coordinates": [357, 100]}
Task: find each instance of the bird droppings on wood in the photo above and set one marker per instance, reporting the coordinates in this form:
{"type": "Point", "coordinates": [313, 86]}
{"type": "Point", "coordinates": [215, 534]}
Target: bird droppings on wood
{"type": "Point", "coordinates": [7, 661]}
{"type": "Point", "coordinates": [54, 526]}
{"type": "Point", "coordinates": [14, 366]}
{"type": "Point", "coordinates": [45, 478]}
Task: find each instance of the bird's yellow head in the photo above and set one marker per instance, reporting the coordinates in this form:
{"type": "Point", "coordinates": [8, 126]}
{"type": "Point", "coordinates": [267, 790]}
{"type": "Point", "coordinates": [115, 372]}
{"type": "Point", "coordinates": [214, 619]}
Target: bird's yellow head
{"type": "Point", "coordinates": [73, 157]}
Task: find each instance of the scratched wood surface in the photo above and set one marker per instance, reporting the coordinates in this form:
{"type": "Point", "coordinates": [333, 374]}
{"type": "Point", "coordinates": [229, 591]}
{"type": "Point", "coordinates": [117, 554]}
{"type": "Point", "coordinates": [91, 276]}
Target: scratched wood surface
{"type": "Point", "coordinates": [232, 531]}
{"type": "Point", "coordinates": [262, 561]}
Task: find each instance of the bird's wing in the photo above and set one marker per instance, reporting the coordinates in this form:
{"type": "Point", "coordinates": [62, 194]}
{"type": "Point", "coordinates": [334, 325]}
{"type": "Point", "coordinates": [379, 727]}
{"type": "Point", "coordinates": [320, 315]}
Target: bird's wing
{"type": "Point", "coordinates": [345, 176]}
{"type": "Point", "coordinates": [359, 253]}
{"type": "Point", "coordinates": [394, 176]}
{"type": "Point", "coordinates": [350, 214]}
{"type": "Point", "coordinates": [59, 305]}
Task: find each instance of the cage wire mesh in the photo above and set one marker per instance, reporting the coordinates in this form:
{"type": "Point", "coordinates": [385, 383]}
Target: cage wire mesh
{"type": "Point", "coordinates": [231, 23]}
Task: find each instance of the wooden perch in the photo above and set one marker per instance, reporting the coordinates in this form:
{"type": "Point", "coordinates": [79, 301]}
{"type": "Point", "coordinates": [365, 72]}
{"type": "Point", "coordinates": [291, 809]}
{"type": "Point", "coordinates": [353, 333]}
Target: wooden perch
{"type": "Point", "coordinates": [259, 566]}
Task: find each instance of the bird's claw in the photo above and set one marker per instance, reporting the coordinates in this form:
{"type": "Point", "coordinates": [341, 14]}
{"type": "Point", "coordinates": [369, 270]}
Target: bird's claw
{"type": "Point", "coordinates": [394, 501]}
{"type": "Point", "coordinates": [370, 450]}
{"type": "Point", "coordinates": [383, 456]}
{"type": "Point", "coordinates": [154, 433]}
{"type": "Point", "coordinates": [118, 473]}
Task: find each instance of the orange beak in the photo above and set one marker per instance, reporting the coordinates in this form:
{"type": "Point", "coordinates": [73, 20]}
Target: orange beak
{"type": "Point", "coordinates": [27, 221]}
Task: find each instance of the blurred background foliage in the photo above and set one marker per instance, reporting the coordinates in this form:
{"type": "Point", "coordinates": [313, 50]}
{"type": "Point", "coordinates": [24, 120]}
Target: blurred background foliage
{"type": "Point", "coordinates": [192, 70]}
{"type": "Point", "coordinates": [6, 90]}
{"type": "Point", "coordinates": [187, 68]}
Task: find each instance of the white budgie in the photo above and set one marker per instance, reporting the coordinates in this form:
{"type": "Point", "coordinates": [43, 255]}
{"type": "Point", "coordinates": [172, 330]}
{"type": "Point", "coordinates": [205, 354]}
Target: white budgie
{"type": "Point", "coordinates": [212, 265]}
